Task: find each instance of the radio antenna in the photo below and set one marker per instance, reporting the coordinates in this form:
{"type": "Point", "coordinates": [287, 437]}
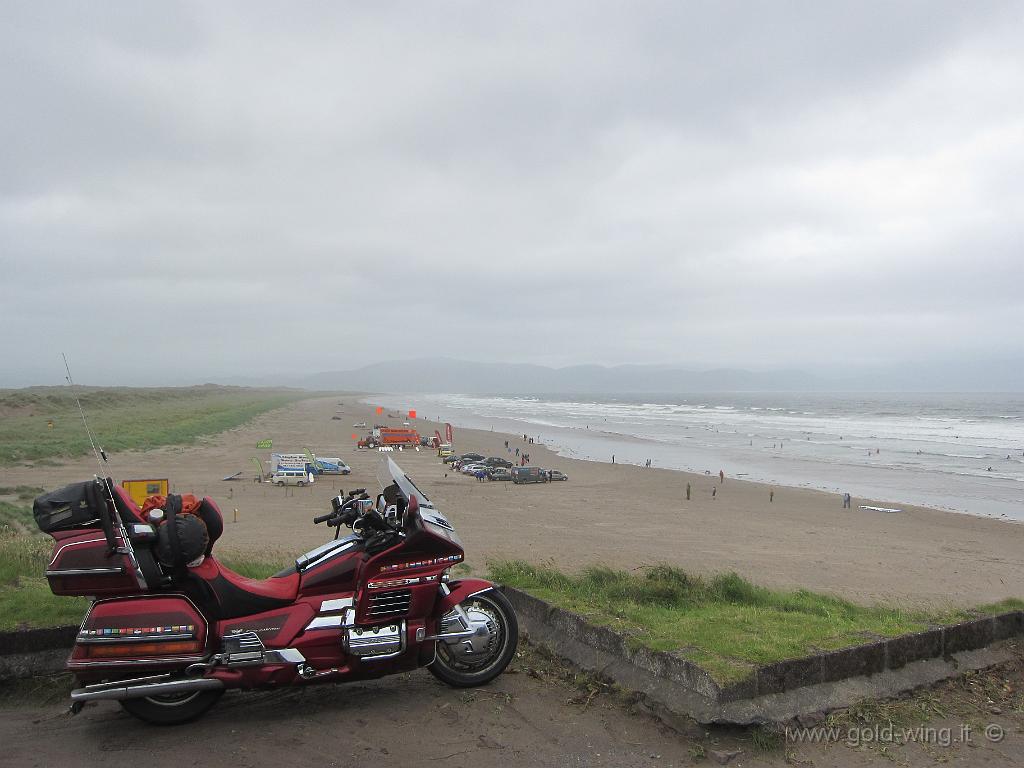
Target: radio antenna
{"type": "Point", "coordinates": [97, 451]}
{"type": "Point", "coordinates": [105, 481]}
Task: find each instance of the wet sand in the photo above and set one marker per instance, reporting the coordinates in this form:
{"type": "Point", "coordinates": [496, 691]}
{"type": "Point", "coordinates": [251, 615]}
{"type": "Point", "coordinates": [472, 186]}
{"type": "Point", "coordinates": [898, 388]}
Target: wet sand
{"type": "Point", "coordinates": [619, 515]}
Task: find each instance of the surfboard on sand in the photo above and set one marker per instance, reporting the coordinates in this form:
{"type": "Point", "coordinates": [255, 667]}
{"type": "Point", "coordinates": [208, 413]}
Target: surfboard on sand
{"type": "Point", "coordinates": [880, 509]}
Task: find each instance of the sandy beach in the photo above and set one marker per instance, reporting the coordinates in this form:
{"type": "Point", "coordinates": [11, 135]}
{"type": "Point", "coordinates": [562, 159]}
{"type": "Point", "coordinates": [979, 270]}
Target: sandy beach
{"type": "Point", "coordinates": [618, 515]}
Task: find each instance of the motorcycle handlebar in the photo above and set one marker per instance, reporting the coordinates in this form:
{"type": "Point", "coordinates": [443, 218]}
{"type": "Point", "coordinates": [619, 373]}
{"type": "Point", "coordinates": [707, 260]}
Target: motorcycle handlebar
{"type": "Point", "coordinates": [322, 518]}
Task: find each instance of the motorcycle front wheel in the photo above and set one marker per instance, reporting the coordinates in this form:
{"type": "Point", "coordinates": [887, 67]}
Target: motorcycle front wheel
{"type": "Point", "coordinates": [477, 661]}
{"type": "Point", "coordinates": [172, 709]}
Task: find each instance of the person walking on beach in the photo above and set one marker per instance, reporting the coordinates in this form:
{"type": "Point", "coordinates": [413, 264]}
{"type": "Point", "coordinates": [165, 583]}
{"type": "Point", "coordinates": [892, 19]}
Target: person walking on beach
{"type": "Point", "coordinates": [687, 491]}
{"type": "Point", "coordinates": [721, 476]}
{"type": "Point", "coordinates": [613, 458]}
{"type": "Point", "coordinates": [771, 495]}
{"type": "Point", "coordinates": [517, 453]}
{"type": "Point", "coordinates": [847, 502]}
{"type": "Point", "coordinates": [714, 492]}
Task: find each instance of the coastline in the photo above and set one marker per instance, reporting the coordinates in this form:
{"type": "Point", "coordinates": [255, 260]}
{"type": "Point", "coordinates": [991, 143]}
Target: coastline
{"type": "Point", "coordinates": [691, 449]}
{"type": "Point", "coordinates": [621, 516]}
{"type": "Point", "coordinates": [629, 516]}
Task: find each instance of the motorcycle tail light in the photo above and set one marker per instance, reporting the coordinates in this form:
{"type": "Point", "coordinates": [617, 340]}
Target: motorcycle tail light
{"type": "Point", "coordinates": [115, 650]}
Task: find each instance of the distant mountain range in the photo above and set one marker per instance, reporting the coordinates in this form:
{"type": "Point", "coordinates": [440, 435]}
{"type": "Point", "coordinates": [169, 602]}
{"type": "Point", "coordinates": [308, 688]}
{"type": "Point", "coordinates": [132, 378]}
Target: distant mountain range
{"type": "Point", "coordinates": [443, 375]}
{"type": "Point", "coordinates": [435, 375]}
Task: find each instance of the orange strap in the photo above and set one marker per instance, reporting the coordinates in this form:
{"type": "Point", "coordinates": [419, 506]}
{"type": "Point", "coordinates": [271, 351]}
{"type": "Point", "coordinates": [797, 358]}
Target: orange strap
{"type": "Point", "coordinates": [189, 504]}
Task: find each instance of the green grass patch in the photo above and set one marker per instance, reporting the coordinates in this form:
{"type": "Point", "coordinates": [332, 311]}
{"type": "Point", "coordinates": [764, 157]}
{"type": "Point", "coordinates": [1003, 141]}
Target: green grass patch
{"type": "Point", "coordinates": [257, 567]}
{"type": "Point", "coordinates": [25, 596]}
{"type": "Point", "coordinates": [16, 517]}
{"type": "Point", "coordinates": [724, 623]}
{"type": "Point", "coordinates": [21, 492]}
{"type": "Point", "coordinates": [123, 418]}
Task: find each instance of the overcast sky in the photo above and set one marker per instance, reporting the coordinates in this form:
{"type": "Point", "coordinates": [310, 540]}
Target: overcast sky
{"type": "Point", "coordinates": [190, 191]}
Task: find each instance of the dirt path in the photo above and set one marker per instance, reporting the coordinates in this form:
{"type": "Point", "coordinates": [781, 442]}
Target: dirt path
{"type": "Point", "coordinates": [537, 714]}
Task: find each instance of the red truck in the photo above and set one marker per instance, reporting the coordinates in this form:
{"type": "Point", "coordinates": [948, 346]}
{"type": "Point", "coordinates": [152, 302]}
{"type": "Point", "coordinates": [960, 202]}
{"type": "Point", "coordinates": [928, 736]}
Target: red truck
{"type": "Point", "coordinates": [387, 436]}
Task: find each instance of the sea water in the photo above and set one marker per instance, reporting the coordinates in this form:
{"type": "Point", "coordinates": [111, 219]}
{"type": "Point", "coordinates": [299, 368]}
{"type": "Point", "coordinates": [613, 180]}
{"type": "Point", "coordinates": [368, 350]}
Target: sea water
{"type": "Point", "coordinates": [962, 452]}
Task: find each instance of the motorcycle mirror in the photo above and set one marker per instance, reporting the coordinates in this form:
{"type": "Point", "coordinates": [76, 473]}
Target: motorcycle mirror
{"type": "Point", "coordinates": [338, 502]}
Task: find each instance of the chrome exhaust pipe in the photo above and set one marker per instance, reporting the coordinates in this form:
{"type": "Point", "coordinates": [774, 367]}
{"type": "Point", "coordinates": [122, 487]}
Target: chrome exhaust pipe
{"type": "Point", "coordinates": [133, 690]}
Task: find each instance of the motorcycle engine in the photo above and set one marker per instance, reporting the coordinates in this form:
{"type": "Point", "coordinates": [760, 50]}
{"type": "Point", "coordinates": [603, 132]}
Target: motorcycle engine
{"type": "Point", "coordinates": [375, 641]}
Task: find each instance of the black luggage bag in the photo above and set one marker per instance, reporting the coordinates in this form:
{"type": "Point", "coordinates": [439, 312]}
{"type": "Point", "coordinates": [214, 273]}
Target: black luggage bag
{"type": "Point", "coordinates": [79, 505]}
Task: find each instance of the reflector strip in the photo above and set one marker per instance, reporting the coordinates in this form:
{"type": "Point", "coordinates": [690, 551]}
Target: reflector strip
{"type": "Point", "coordinates": [141, 649]}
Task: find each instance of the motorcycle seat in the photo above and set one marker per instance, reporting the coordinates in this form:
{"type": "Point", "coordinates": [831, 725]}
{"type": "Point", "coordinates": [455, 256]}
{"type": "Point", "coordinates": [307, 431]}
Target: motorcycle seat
{"type": "Point", "coordinates": [235, 595]}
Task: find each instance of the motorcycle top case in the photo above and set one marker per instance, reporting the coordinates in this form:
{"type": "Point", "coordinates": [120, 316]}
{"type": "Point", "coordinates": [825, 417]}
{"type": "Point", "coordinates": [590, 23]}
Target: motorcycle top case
{"type": "Point", "coordinates": [78, 505]}
{"type": "Point", "coordinates": [82, 564]}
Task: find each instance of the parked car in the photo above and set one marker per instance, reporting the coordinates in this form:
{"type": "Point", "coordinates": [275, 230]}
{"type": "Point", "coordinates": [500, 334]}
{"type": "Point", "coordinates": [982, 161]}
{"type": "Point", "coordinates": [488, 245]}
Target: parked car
{"type": "Point", "coordinates": [497, 461]}
{"type": "Point", "coordinates": [554, 474]}
{"type": "Point", "coordinates": [297, 477]}
{"type": "Point", "coordinates": [499, 473]}
{"type": "Point", "coordinates": [528, 475]}
{"type": "Point", "coordinates": [444, 450]}
{"type": "Point", "coordinates": [469, 469]}
{"type": "Point", "coordinates": [471, 457]}
{"type": "Point", "coordinates": [451, 459]}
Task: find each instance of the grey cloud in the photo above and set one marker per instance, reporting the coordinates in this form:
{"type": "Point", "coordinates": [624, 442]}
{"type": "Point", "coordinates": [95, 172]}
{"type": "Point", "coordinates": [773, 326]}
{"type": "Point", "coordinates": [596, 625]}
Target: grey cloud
{"type": "Point", "coordinates": [723, 183]}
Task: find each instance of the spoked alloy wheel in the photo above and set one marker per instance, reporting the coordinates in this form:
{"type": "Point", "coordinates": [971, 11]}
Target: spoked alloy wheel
{"type": "Point", "coordinates": [173, 708]}
{"type": "Point", "coordinates": [478, 659]}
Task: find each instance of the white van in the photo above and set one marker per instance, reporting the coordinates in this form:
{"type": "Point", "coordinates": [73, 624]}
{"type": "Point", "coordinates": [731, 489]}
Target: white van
{"type": "Point", "coordinates": [332, 466]}
{"type": "Point", "coordinates": [297, 477]}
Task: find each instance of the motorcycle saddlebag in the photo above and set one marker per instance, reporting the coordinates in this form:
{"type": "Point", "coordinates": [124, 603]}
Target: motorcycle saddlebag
{"type": "Point", "coordinates": [147, 630]}
{"type": "Point", "coordinates": [78, 505]}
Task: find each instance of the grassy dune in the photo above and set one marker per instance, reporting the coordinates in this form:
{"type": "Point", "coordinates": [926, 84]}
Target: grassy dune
{"type": "Point", "coordinates": [122, 418]}
{"type": "Point", "coordinates": [725, 624]}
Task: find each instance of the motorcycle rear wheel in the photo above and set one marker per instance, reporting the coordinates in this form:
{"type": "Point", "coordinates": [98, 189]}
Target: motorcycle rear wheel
{"type": "Point", "coordinates": [460, 671]}
{"type": "Point", "coordinates": [173, 709]}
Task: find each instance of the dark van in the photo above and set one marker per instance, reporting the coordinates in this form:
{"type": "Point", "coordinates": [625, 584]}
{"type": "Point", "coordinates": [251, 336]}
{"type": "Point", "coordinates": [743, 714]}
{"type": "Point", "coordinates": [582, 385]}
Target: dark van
{"type": "Point", "coordinates": [529, 475]}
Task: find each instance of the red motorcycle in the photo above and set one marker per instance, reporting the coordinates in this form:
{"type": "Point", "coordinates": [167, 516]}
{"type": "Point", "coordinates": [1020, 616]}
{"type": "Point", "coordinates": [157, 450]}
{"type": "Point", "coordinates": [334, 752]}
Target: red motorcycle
{"type": "Point", "coordinates": [166, 638]}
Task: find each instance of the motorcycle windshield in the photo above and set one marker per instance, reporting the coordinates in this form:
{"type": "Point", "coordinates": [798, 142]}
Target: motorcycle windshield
{"type": "Point", "coordinates": [408, 489]}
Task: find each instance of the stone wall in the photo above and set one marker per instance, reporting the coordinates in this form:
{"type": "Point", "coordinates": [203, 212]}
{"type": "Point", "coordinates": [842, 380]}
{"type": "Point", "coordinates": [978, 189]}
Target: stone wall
{"type": "Point", "coordinates": [772, 692]}
{"type": "Point", "coordinates": [35, 651]}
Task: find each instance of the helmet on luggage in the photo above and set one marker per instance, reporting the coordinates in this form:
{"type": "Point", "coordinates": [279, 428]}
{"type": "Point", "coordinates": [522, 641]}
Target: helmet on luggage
{"type": "Point", "coordinates": [193, 540]}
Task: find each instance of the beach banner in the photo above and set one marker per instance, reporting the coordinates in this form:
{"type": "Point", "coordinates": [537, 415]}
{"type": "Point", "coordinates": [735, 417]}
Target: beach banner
{"type": "Point", "coordinates": [437, 435]}
{"type": "Point", "coordinates": [265, 444]}
{"type": "Point", "coordinates": [448, 433]}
